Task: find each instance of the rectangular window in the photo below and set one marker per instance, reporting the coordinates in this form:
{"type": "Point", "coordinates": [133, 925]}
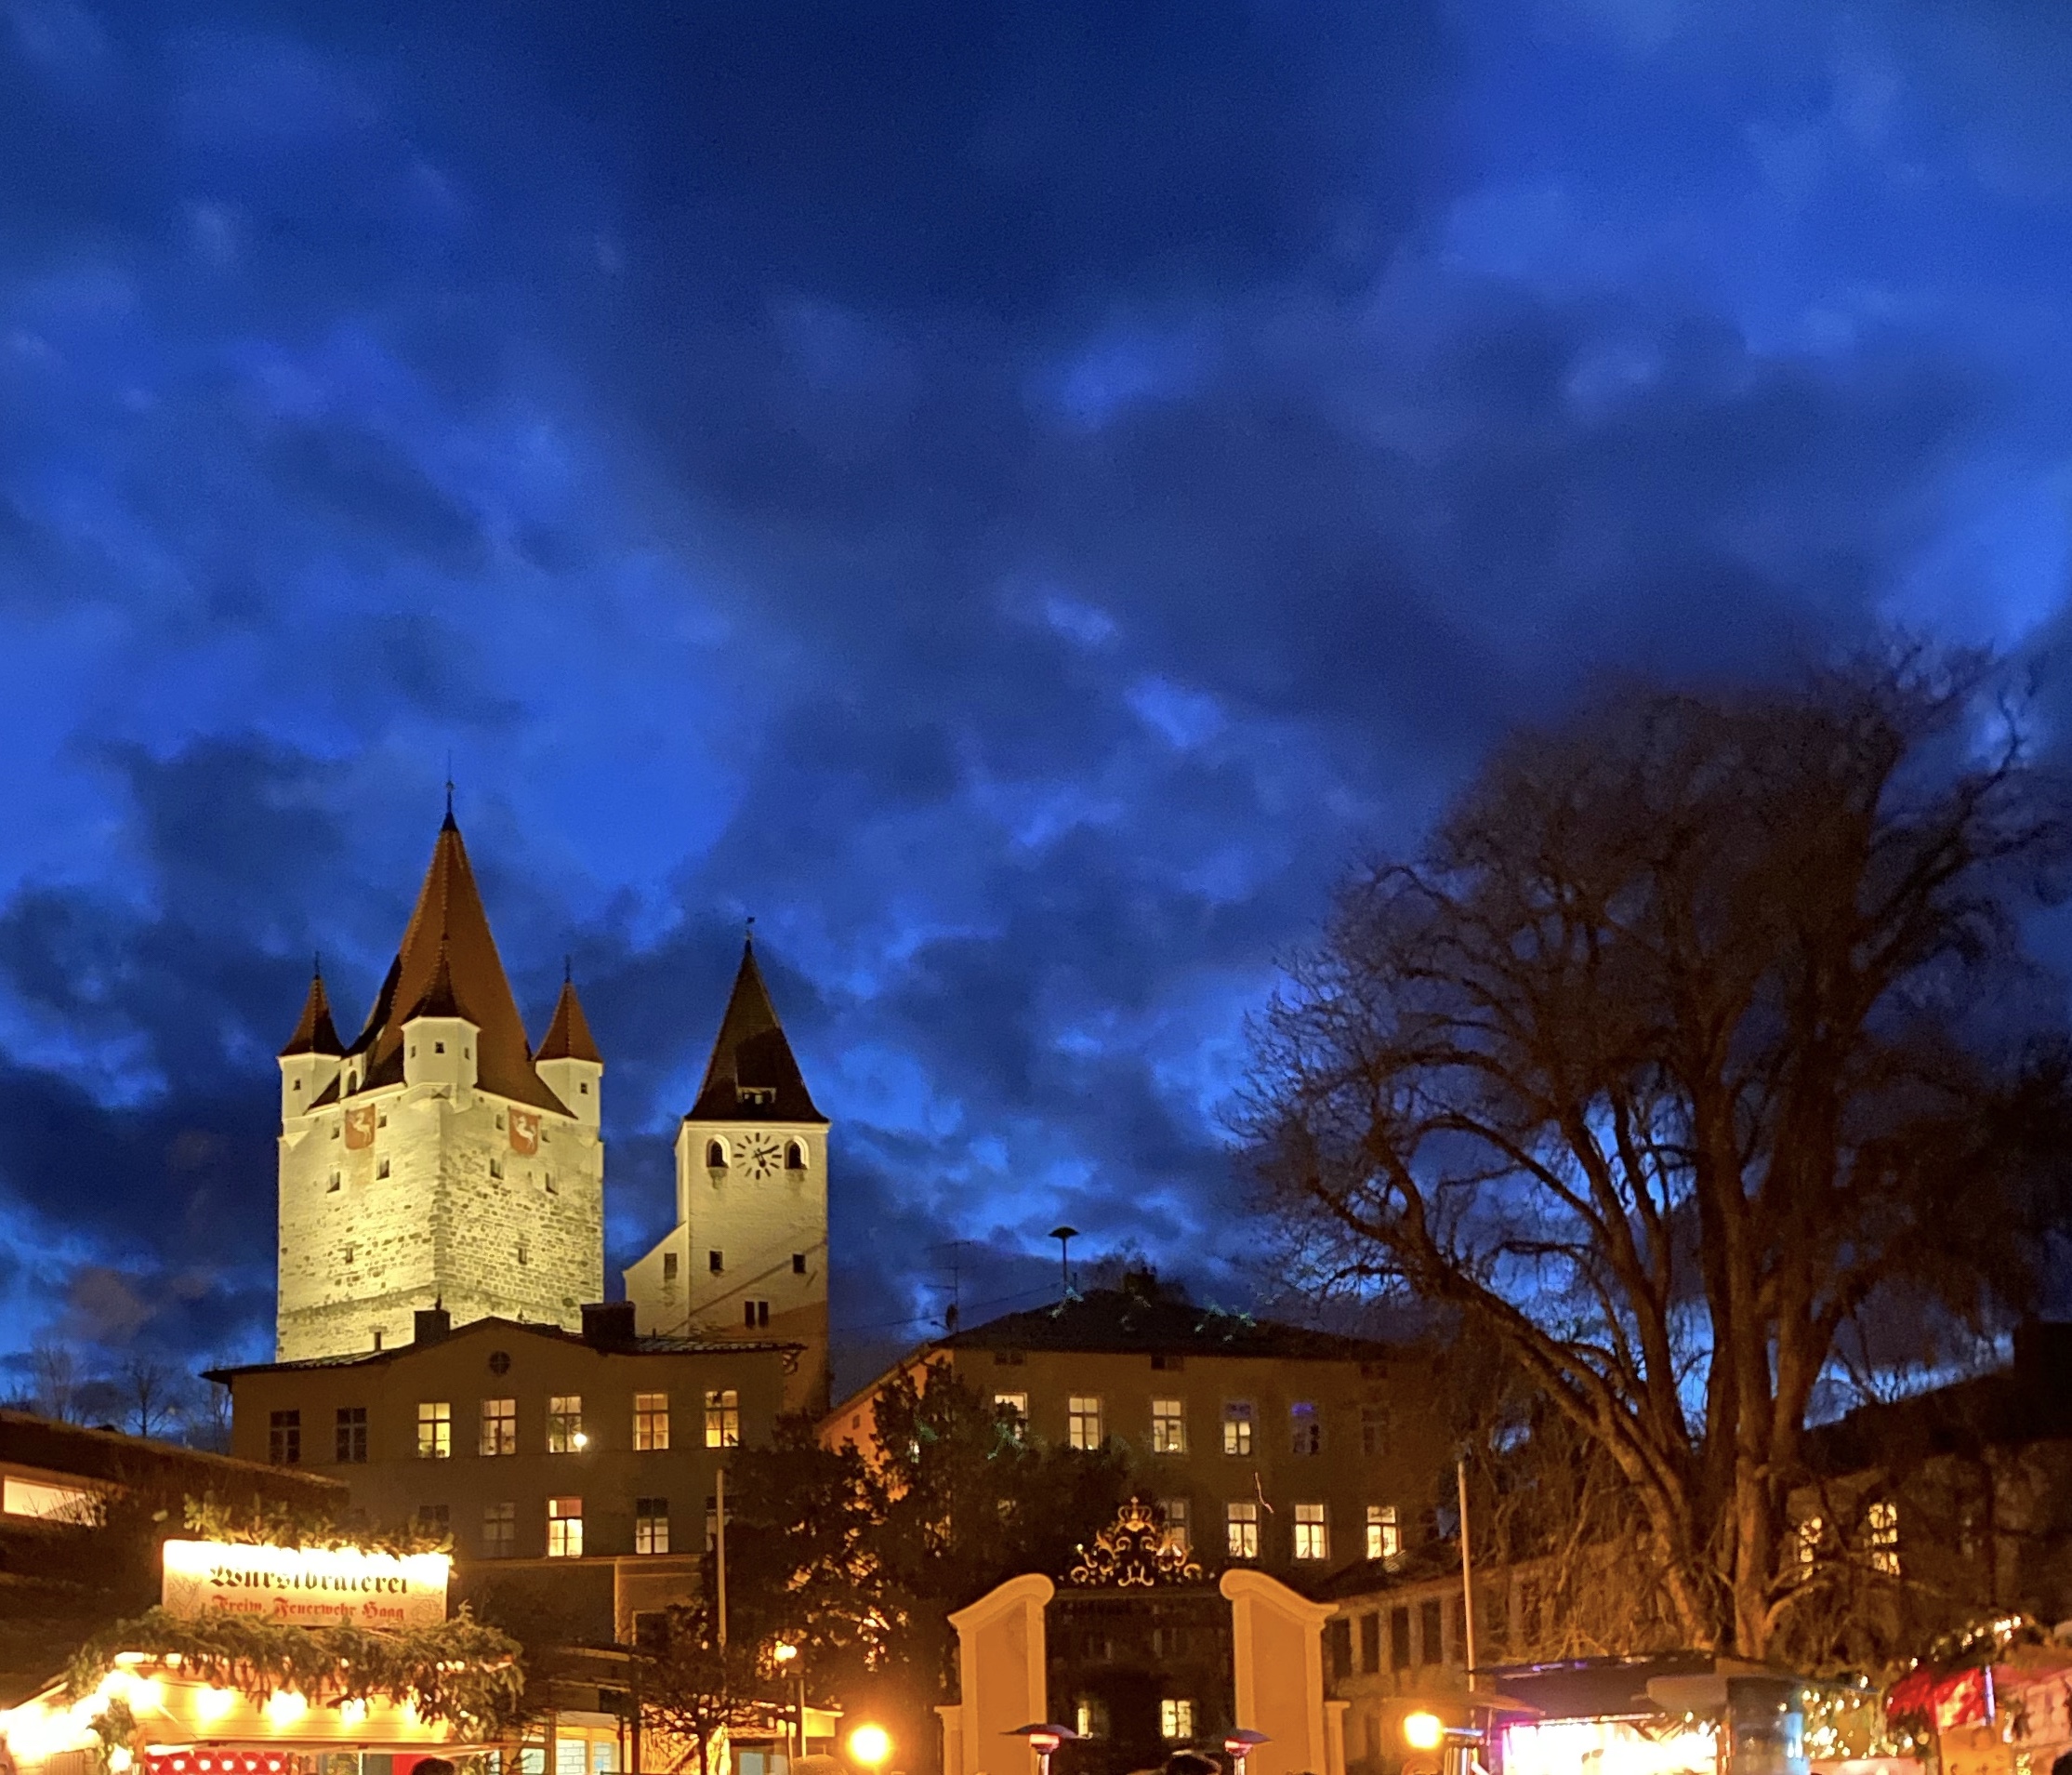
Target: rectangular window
{"type": "Point", "coordinates": [352, 1434]}
{"type": "Point", "coordinates": [755, 1315]}
{"type": "Point", "coordinates": [651, 1525]}
{"type": "Point", "coordinates": [499, 1530]}
{"type": "Point", "coordinates": [1240, 1530]}
{"type": "Point", "coordinates": [1176, 1719]}
{"type": "Point", "coordinates": [564, 1527]}
{"type": "Point", "coordinates": [1370, 1644]}
{"type": "Point", "coordinates": [1014, 1407]}
{"type": "Point", "coordinates": [715, 1263]}
{"type": "Point", "coordinates": [1882, 1519]}
{"type": "Point", "coordinates": [1313, 1534]}
{"type": "Point", "coordinates": [668, 1267]}
{"type": "Point", "coordinates": [1399, 1638]}
{"type": "Point", "coordinates": [798, 1263]}
{"type": "Point", "coordinates": [1168, 1364]}
{"type": "Point", "coordinates": [1176, 1523]}
{"type": "Point", "coordinates": [1338, 1647]}
{"type": "Point", "coordinates": [1082, 1421]}
{"type": "Point", "coordinates": [283, 1438]}
{"type": "Point", "coordinates": [381, 1168]}
{"type": "Point", "coordinates": [1431, 1633]}
{"type": "Point", "coordinates": [722, 1419]}
{"type": "Point", "coordinates": [1374, 1431]}
{"type": "Point", "coordinates": [651, 1422]}
{"type": "Point", "coordinates": [1168, 1426]}
{"type": "Point", "coordinates": [435, 1518]}
{"type": "Point", "coordinates": [435, 1430]}
{"type": "Point", "coordinates": [497, 1168]}
{"type": "Point", "coordinates": [1305, 1429]}
{"type": "Point", "coordinates": [1384, 1534]}
{"type": "Point", "coordinates": [1237, 1427]}
{"type": "Point", "coordinates": [499, 1427]}
{"type": "Point", "coordinates": [564, 1424]}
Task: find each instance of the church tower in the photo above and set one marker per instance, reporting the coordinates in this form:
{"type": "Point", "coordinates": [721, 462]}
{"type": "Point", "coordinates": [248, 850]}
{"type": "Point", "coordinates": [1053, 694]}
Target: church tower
{"type": "Point", "coordinates": [436, 1161]}
{"type": "Point", "coordinates": [748, 1255]}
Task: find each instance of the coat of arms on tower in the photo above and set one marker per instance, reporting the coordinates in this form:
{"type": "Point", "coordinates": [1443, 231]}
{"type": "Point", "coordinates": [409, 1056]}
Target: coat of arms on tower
{"type": "Point", "coordinates": [1136, 1552]}
{"type": "Point", "coordinates": [359, 1127]}
{"type": "Point", "coordinates": [524, 1131]}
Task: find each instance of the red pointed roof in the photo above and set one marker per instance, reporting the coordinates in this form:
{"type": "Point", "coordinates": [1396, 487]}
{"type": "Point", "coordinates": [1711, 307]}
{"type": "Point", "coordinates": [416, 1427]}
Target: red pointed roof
{"type": "Point", "coordinates": [752, 1056]}
{"type": "Point", "coordinates": [448, 957]}
{"type": "Point", "coordinates": [568, 1036]}
{"type": "Point", "coordinates": [315, 1033]}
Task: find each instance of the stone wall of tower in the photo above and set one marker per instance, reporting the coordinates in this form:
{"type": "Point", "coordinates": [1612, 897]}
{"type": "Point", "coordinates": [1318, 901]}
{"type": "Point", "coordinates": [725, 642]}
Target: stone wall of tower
{"type": "Point", "coordinates": [759, 1225]}
{"type": "Point", "coordinates": [360, 1259]}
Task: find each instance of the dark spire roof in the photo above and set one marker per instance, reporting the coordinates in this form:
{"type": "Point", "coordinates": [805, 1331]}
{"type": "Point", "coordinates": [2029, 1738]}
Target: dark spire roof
{"type": "Point", "coordinates": [315, 1033]}
{"type": "Point", "coordinates": [567, 1037]}
{"type": "Point", "coordinates": [751, 1056]}
{"type": "Point", "coordinates": [449, 958]}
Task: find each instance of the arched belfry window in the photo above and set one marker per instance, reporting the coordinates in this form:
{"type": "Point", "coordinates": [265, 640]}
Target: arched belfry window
{"type": "Point", "coordinates": [795, 1156]}
{"type": "Point", "coordinates": [714, 1155]}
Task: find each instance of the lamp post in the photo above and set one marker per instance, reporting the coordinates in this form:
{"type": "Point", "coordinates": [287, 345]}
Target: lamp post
{"type": "Point", "coordinates": [786, 1654]}
{"type": "Point", "coordinates": [1457, 1746]}
{"type": "Point", "coordinates": [1241, 1744]}
{"type": "Point", "coordinates": [1044, 1740]}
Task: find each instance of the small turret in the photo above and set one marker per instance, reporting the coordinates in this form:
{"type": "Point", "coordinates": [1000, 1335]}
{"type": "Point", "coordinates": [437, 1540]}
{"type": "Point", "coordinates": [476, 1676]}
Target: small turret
{"type": "Point", "coordinates": [313, 1054]}
{"type": "Point", "coordinates": [439, 1037]}
{"type": "Point", "coordinates": [568, 1059]}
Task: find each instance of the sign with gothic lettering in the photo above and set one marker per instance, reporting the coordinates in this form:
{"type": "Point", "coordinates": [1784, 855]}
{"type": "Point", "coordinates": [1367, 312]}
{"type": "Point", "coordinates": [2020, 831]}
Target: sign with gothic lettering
{"type": "Point", "coordinates": [304, 1586]}
{"type": "Point", "coordinates": [359, 1127]}
{"type": "Point", "coordinates": [524, 1131]}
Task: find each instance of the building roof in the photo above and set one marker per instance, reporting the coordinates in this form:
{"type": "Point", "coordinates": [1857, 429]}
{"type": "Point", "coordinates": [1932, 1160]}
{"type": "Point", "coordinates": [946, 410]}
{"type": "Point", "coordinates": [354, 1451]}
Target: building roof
{"type": "Point", "coordinates": [751, 1056]}
{"type": "Point", "coordinates": [519, 1328]}
{"type": "Point", "coordinates": [448, 957]}
{"type": "Point", "coordinates": [1142, 1315]}
{"type": "Point", "coordinates": [315, 1033]}
{"type": "Point", "coordinates": [143, 1463]}
{"type": "Point", "coordinates": [568, 1036]}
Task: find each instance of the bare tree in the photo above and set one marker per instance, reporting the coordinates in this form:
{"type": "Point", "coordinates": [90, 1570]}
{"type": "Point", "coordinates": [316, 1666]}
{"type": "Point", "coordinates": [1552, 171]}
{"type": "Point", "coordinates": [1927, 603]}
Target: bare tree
{"type": "Point", "coordinates": [54, 1380]}
{"type": "Point", "coordinates": [1701, 1023]}
{"type": "Point", "coordinates": [152, 1396]}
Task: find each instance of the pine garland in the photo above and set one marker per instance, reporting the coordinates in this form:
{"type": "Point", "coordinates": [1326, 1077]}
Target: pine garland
{"type": "Point", "coordinates": [458, 1671]}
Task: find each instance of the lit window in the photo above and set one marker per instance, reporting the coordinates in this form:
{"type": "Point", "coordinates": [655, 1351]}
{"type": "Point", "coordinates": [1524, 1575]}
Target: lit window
{"type": "Point", "coordinates": [1883, 1522]}
{"type": "Point", "coordinates": [1384, 1534]}
{"type": "Point", "coordinates": [1012, 1409]}
{"type": "Point", "coordinates": [1176, 1719]}
{"type": "Point", "coordinates": [1176, 1522]}
{"type": "Point", "coordinates": [755, 1315]}
{"type": "Point", "coordinates": [1240, 1530]}
{"type": "Point", "coordinates": [722, 1419]}
{"type": "Point", "coordinates": [1237, 1427]}
{"type": "Point", "coordinates": [499, 1427]}
{"type": "Point", "coordinates": [1312, 1535]}
{"type": "Point", "coordinates": [47, 1502]}
{"type": "Point", "coordinates": [352, 1434]}
{"type": "Point", "coordinates": [1168, 1426]}
{"type": "Point", "coordinates": [1374, 1431]}
{"type": "Point", "coordinates": [564, 1527]}
{"type": "Point", "coordinates": [435, 1431]}
{"type": "Point", "coordinates": [1089, 1716]}
{"type": "Point", "coordinates": [651, 1525]}
{"type": "Point", "coordinates": [564, 1424]}
{"type": "Point", "coordinates": [651, 1422]}
{"type": "Point", "coordinates": [499, 1530]}
{"type": "Point", "coordinates": [1083, 1421]}
{"type": "Point", "coordinates": [1305, 1429]}
{"type": "Point", "coordinates": [283, 1438]}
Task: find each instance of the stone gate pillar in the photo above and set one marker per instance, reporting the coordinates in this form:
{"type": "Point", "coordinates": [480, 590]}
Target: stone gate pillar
{"type": "Point", "coordinates": [1003, 1668]}
{"type": "Point", "coordinates": [1278, 1648]}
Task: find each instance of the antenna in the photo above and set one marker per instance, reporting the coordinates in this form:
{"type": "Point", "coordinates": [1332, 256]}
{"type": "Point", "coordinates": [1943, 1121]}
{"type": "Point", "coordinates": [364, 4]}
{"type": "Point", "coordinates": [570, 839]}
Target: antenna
{"type": "Point", "coordinates": [1064, 1235]}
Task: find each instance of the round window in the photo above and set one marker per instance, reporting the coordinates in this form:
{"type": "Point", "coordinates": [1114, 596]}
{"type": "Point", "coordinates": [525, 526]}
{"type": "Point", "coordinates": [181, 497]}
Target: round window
{"type": "Point", "coordinates": [499, 1363]}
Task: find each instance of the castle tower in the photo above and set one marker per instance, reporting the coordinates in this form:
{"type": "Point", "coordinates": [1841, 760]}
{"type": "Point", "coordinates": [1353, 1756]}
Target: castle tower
{"type": "Point", "coordinates": [433, 1162]}
{"type": "Point", "coordinates": [748, 1254]}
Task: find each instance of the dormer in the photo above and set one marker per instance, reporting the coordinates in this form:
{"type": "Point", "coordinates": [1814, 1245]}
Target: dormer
{"type": "Point", "coordinates": [313, 1054]}
{"type": "Point", "coordinates": [440, 1038]}
{"type": "Point", "coordinates": [568, 1059]}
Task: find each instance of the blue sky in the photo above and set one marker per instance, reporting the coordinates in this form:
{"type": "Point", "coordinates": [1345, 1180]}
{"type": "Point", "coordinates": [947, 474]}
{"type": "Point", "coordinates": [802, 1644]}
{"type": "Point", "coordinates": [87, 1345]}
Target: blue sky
{"type": "Point", "coordinates": [1017, 497]}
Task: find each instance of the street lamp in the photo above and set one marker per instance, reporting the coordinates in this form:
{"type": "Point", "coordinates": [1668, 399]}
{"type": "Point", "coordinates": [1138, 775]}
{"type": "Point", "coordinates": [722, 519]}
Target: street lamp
{"type": "Point", "coordinates": [870, 1746]}
{"type": "Point", "coordinates": [1456, 1744]}
{"type": "Point", "coordinates": [785, 1653]}
{"type": "Point", "coordinates": [1044, 1739]}
{"type": "Point", "coordinates": [1241, 1744]}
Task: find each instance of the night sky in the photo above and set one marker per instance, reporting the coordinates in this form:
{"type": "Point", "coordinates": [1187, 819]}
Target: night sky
{"type": "Point", "coordinates": [1015, 497]}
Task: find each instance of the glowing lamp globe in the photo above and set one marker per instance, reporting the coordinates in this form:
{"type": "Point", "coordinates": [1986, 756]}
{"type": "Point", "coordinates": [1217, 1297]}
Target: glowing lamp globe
{"type": "Point", "coordinates": [870, 1746]}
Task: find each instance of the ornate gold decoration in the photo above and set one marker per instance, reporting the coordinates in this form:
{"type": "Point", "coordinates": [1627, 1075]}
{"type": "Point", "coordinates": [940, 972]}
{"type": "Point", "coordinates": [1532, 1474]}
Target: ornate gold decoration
{"type": "Point", "coordinates": [1134, 1552]}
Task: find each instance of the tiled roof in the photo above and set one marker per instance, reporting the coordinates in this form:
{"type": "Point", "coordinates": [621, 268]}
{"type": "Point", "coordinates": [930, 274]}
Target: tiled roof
{"type": "Point", "coordinates": [568, 1036]}
{"type": "Point", "coordinates": [1127, 1319]}
{"type": "Point", "coordinates": [752, 1058]}
{"type": "Point", "coordinates": [315, 1033]}
{"type": "Point", "coordinates": [448, 957]}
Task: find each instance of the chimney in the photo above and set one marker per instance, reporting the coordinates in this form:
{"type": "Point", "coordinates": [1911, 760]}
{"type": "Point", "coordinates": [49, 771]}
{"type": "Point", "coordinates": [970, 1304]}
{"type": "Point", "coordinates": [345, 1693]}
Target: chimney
{"type": "Point", "coordinates": [432, 1324]}
{"type": "Point", "coordinates": [608, 1325]}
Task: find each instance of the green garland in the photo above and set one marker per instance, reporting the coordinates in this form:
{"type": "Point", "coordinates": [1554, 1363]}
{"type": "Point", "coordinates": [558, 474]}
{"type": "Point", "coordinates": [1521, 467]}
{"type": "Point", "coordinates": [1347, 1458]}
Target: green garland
{"type": "Point", "coordinates": [459, 1671]}
{"type": "Point", "coordinates": [268, 1524]}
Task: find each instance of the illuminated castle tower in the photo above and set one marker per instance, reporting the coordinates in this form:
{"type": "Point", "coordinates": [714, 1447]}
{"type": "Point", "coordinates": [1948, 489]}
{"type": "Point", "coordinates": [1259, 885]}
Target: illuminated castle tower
{"type": "Point", "coordinates": [438, 1160]}
{"type": "Point", "coordinates": [748, 1255]}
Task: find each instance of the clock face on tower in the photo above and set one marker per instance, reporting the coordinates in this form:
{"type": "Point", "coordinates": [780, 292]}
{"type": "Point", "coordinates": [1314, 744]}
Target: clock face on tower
{"type": "Point", "coordinates": [760, 1155]}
